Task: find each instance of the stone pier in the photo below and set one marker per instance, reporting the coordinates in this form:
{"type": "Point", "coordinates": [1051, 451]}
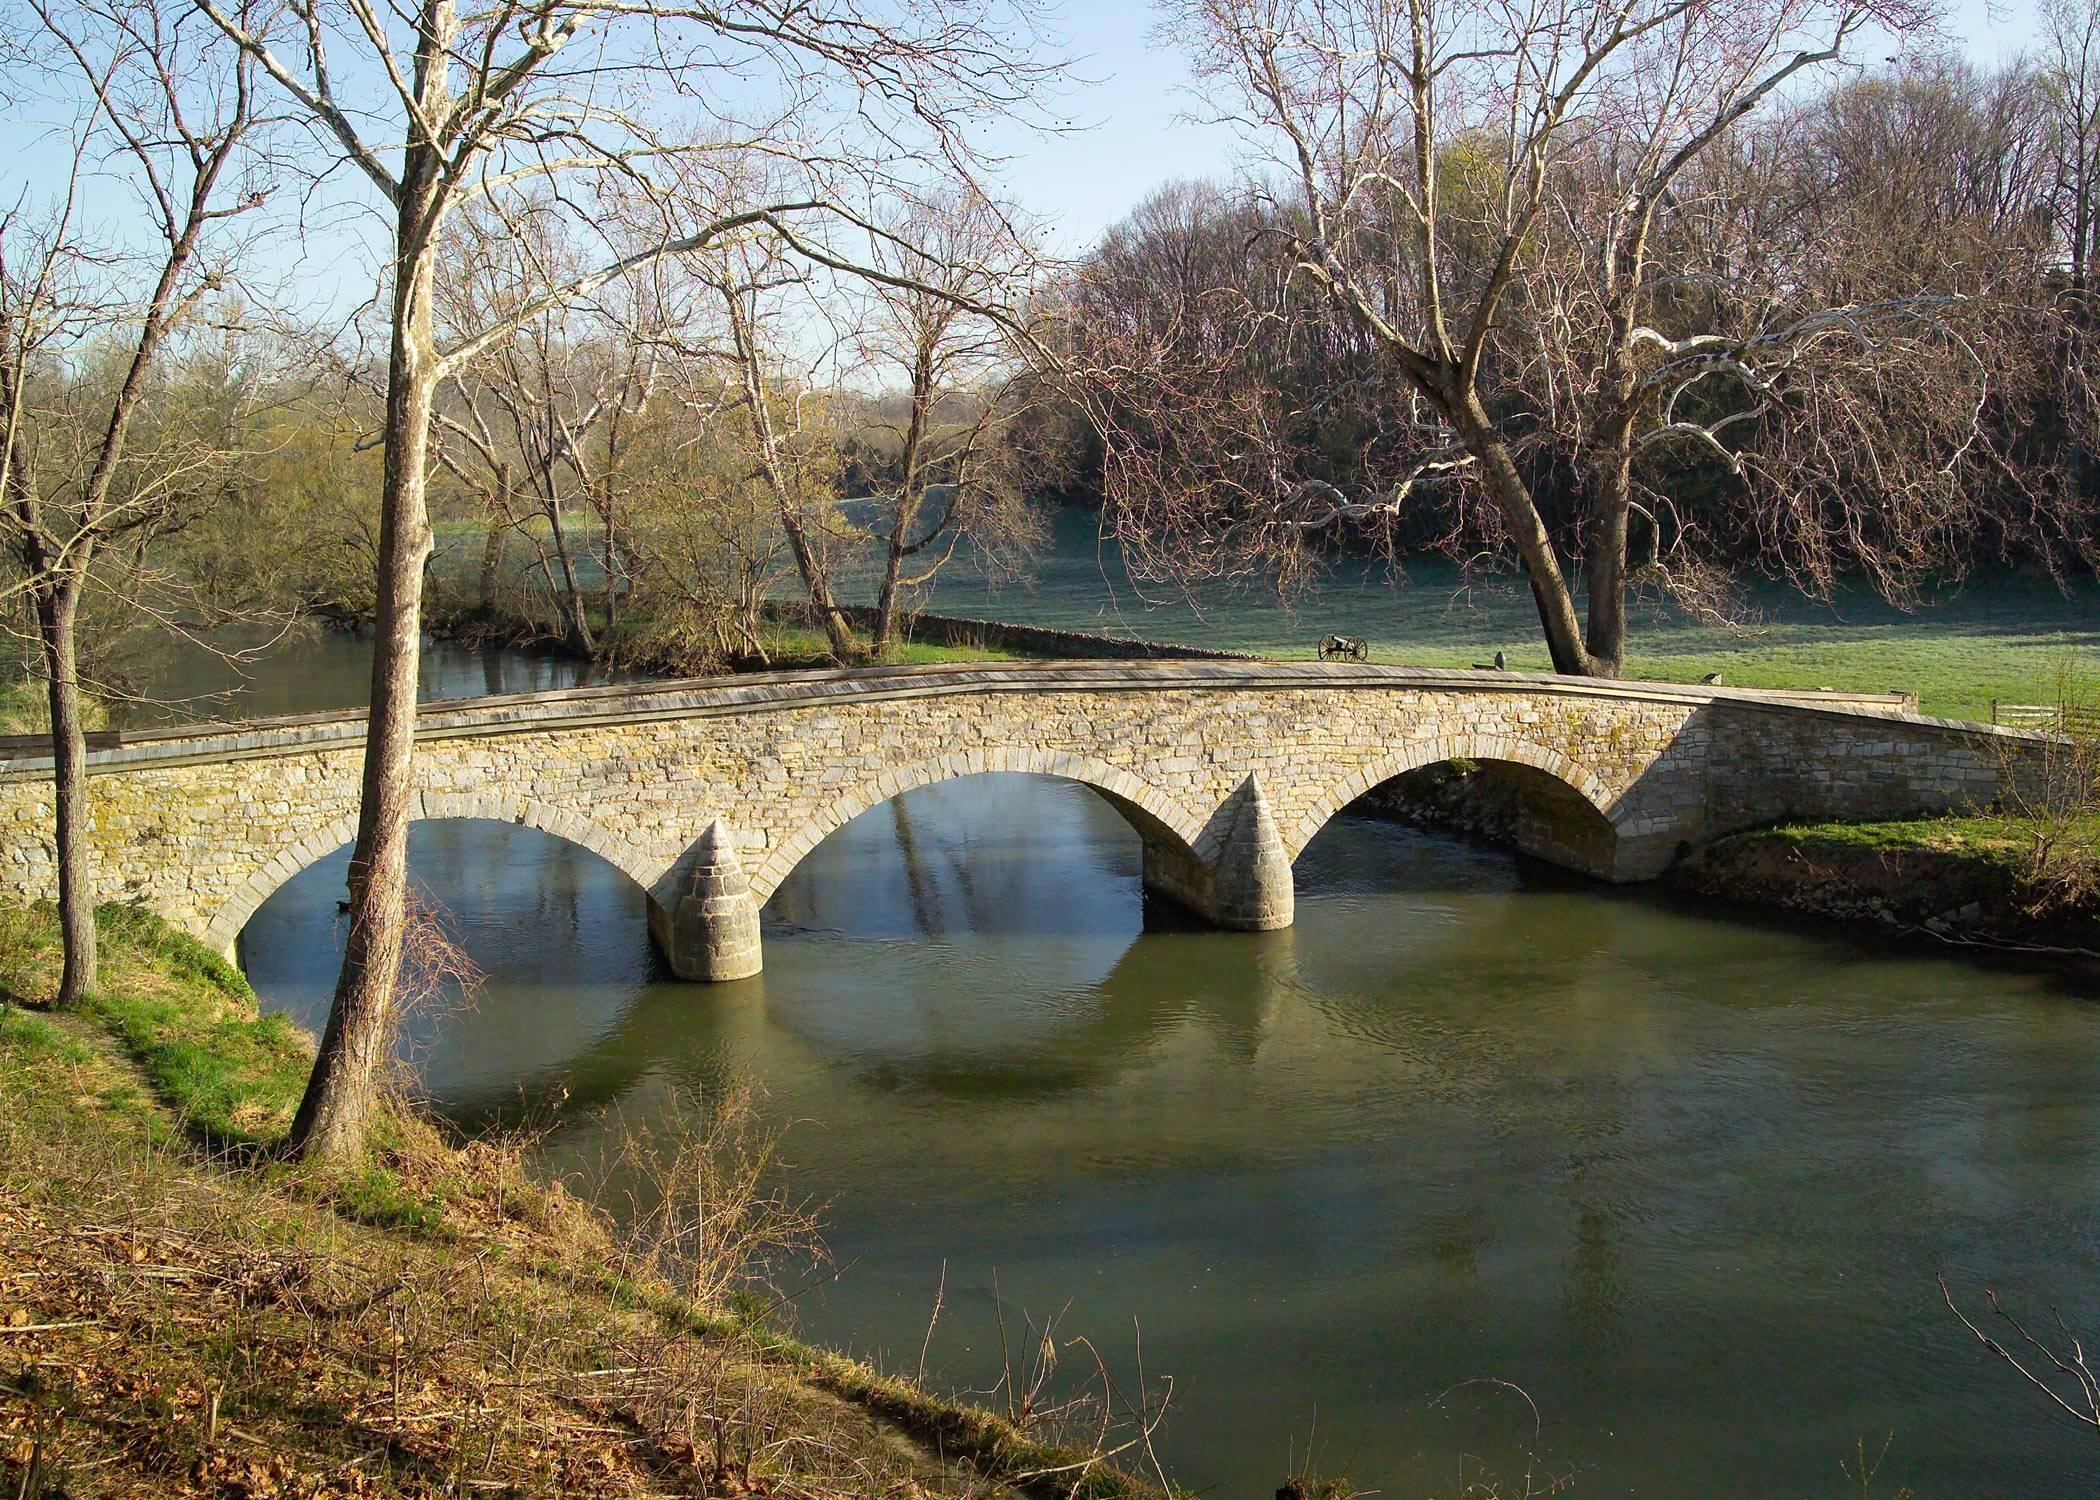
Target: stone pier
{"type": "Point", "coordinates": [712, 933]}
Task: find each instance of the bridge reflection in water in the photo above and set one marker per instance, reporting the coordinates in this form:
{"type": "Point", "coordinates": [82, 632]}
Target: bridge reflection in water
{"type": "Point", "coordinates": [1465, 1118]}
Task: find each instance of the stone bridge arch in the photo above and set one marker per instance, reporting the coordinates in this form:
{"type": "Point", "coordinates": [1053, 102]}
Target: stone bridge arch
{"type": "Point", "coordinates": [1170, 831]}
{"type": "Point", "coordinates": [703, 908]}
{"type": "Point", "coordinates": [1591, 844]}
{"type": "Point", "coordinates": [1227, 769]}
{"type": "Point", "coordinates": [279, 865]}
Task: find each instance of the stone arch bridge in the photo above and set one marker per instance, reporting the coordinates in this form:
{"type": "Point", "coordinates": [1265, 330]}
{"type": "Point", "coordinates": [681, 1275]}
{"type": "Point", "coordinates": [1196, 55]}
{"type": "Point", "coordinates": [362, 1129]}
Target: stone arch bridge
{"type": "Point", "coordinates": [707, 793]}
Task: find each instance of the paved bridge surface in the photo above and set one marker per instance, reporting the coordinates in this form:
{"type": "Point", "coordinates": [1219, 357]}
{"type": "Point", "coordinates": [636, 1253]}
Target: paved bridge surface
{"type": "Point", "coordinates": [708, 792]}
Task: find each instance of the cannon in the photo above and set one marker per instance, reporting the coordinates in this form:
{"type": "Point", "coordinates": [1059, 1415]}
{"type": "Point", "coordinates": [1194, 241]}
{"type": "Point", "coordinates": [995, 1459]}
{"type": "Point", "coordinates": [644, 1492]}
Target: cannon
{"type": "Point", "coordinates": [1344, 648]}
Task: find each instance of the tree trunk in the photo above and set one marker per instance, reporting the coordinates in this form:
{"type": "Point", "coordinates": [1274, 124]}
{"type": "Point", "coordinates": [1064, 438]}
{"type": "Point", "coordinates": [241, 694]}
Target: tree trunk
{"type": "Point", "coordinates": [751, 371]}
{"type": "Point", "coordinates": [907, 495]}
{"type": "Point", "coordinates": [821, 603]}
{"type": "Point", "coordinates": [610, 619]}
{"type": "Point", "coordinates": [335, 1114]}
{"type": "Point", "coordinates": [1549, 585]}
{"type": "Point", "coordinates": [573, 602]}
{"type": "Point", "coordinates": [1606, 567]}
{"type": "Point", "coordinates": [892, 566]}
{"type": "Point", "coordinates": [491, 568]}
{"type": "Point", "coordinates": [58, 608]}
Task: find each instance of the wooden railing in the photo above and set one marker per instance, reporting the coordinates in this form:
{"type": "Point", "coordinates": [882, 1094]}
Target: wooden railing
{"type": "Point", "coordinates": [2079, 719]}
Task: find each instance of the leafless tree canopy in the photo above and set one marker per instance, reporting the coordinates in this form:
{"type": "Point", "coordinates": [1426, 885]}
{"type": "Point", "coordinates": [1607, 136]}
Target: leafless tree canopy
{"type": "Point", "coordinates": [102, 445]}
{"type": "Point", "coordinates": [1619, 288]}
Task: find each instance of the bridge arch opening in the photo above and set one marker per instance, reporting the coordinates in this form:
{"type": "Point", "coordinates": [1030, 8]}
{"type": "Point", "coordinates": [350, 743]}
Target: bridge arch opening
{"type": "Point", "coordinates": [1534, 800]}
{"type": "Point", "coordinates": [1004, 850]}
{"type": "Point", "coordinates": [560, 933]}
{"type": "Point", "coordinates": [277, 867]}
{"type": "Point", "coordinates": [1167, 832]}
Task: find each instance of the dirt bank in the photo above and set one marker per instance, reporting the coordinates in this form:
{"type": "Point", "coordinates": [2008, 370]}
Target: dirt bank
{"type": "Point", "coordinates": [1953, 880]}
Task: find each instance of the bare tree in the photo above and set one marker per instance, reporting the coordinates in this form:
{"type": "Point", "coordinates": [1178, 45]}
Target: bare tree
{"type": "Point", "coordinates": [540, 423]}
{"type": "Point", "coordinates": [704, 546]}
{"type": "Point", "coordinates": [2068, 76]}
{"type": "Point", "coordinates": [617, 112]}
{"type": "Point", "coordinates": [792, 441]}
{"type": "Point", "coordinates": [942, 332]}
{"type": "Point", "coordinates": [173, 121]}
{"type": "Point", "coordinates": [1484, 196]}
{"type": "Point", "coordinates": [2069, 73]}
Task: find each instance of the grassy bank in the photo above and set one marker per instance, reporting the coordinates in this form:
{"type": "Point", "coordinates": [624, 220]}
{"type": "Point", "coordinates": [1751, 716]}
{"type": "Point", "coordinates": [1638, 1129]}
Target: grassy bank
{"type": "Point", "coordinates": [182, 1312]}
{"type": "Point", "coordinates": [1999, 637]}
{"type": "Point", "coordinates": [641, 646]}
{"type": "Point", "coordinates": [790, 646]}
{"type": "Point", "coordinates": [1978, 880]}
{"type": "Point", "coordinates": [25, 708]}
{"type": "Point", "coordinates": [787, 646]}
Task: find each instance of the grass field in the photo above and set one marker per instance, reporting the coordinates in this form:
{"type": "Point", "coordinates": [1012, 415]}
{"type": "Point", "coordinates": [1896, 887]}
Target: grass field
{"type": "Point", "coordinates": [2004, 638]}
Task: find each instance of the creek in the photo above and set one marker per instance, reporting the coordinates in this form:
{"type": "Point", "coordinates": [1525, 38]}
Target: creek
{"type": "Point", "coordinates": [1685, 1179]}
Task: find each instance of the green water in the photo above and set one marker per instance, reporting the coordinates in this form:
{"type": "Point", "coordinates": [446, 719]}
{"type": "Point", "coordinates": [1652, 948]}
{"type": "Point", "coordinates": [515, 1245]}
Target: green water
{"type": "Point", "coordinates": [1687, 1181]}
{"type": "Point", "coordinates": [251, 673]}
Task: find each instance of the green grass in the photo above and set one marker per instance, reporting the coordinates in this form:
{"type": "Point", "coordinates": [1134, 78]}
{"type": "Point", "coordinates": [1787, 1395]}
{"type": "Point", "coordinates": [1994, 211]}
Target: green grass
{"type": "Point", "coordinates": [36, 1038]}
{"type": "Point", "coordinates": [802, 645]}
{"type": "Point", "coordinates": [2002, 637]}
{"type": "Point", "coordinates": [22, 708]}
{"type": "Point", "coordinates": [1997, 840]}
{"type": "Point", "coordinates": [26, 709]}
{"type": "Point", "coordinates": [187, 1017]}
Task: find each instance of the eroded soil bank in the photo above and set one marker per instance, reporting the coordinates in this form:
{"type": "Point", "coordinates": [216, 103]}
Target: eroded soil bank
{"type": "Point", "coordinates": [1953, 881]}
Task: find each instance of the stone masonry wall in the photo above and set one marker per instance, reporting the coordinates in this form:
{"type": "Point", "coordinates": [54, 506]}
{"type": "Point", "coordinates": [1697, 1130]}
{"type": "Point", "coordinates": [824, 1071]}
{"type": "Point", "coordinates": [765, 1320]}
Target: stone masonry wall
{"type": "Point", "coordinates": [1227, 770]}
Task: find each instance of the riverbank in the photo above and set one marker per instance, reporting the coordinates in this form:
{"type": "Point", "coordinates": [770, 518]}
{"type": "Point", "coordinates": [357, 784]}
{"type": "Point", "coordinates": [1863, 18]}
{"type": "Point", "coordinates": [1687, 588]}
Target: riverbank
{"type": "Point", "coordinates": [1964, 649]}
{"type": "Point", "coordinates": [1999, 637]}
{"type": "Point", "coordinates": [181, 1313]}
{"type": "Point", "coordinates": [792, 640]}
{"type": "Point", "coordinates": [1967, 881]}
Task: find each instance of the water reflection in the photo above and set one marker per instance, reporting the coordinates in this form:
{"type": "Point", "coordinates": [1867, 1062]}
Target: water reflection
{"type": "Point", "coordinates": [1687, 1181]}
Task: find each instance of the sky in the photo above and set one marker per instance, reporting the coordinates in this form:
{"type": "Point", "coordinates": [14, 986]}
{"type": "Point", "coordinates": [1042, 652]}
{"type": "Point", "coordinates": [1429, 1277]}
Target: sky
{"type": "Point", "coordinates": [1130, 99]}
{"type": "Point", "coordinates": [1125, 110]}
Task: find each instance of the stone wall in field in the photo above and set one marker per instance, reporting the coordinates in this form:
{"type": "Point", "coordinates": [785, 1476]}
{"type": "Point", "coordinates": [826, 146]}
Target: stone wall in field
{"type": "Point", "coordinates": [1000, 635]}
{"type": "Point", "coordinates": [708, 793]}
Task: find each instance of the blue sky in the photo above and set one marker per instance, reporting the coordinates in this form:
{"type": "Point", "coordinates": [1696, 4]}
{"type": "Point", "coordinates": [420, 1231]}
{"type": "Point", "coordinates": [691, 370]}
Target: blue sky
{"type": "Point", "coordinates": [1134, 95]}
{"type": "Point", "coordinates": [1125, 107]}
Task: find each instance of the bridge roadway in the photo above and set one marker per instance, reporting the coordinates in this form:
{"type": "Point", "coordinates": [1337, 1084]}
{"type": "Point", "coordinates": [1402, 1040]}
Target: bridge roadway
{"type": "Point", "coordinates": [707, 792]}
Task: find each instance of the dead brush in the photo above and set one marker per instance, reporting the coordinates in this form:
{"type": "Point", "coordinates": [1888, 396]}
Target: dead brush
{"type": "Point", "coordinates": [1475, 1478]}
{"type": "Point", "coordinates": [439, 980]}
{"type": "Point", "coordinates": [1092, 1416]}
{"type": "Point", "coordinates": [707, 1212]}
{"type": "Point", "coordinates": [199, 1350]}
{"type": "Point", "coordinates": [707, 1216]}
